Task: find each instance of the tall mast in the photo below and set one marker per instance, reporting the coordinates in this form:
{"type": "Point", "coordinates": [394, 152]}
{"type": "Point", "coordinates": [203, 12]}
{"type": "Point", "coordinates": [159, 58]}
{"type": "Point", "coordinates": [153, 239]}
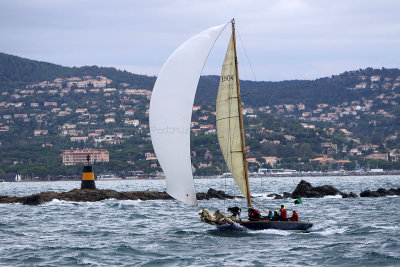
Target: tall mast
{"type": "Point", "coordinates": [246, 173]}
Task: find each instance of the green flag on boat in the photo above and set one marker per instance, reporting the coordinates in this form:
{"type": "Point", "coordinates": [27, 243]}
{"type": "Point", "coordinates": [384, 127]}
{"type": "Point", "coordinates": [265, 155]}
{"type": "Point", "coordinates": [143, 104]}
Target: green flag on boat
{"type": "Point", "coordinates": [298, 201]}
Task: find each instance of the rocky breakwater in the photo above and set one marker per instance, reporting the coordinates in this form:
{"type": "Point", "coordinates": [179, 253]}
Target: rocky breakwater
{"type": "Point", "coordinates": [303, 190]}
{"type": "Point", "coordinates": [381, 192]}
{"type": "Point", "coordinates": [212, 193]}
{"type": "Point", "coordinates": [91, 195]}
{"type": "Point", "coordinates": [306, 190]}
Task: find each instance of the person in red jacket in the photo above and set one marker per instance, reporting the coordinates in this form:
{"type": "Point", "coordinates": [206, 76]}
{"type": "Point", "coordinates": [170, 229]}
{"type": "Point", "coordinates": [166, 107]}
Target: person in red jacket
{"type": "Point", "coordinates": [254, 214]}
{"type": "Point", "coordinates": [283, 212]}
{"type": "Point", "coordinates": [294, 217]}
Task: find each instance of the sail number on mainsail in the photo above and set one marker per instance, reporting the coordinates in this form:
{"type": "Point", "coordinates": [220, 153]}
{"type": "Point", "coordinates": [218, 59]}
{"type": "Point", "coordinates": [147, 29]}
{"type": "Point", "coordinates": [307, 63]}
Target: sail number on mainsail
{"type": "Point", "coordinates": [227, 78]}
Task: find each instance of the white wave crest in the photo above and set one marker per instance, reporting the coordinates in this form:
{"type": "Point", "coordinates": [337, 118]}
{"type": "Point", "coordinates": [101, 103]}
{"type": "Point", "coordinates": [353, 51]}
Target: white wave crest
{"type": "Point", "coordinates": [335, 196]}
{"type": "Point", "coordinates": [57, 202]}
{"type": "Point", "coordinates": [332, 231]}
{"type": "Point", "coordinates": [274, 232]}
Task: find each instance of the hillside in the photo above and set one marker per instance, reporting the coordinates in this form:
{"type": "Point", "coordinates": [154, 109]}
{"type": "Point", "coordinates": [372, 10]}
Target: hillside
{"type": "Point", "coordinates": [17, 71]}
{"type": "Point", "coordinates": [331, 90]}
{"type": "Point", "coordinates": [330, 123]}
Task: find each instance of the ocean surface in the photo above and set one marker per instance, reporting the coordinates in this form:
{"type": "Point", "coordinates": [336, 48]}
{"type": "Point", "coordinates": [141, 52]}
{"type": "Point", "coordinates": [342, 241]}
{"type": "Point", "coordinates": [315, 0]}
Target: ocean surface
{"type": "Point", "coordinates": [346, 232]}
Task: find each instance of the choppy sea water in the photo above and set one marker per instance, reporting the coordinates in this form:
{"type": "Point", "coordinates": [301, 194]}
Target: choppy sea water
{"type": "Point", "coordinates": [346, 232]}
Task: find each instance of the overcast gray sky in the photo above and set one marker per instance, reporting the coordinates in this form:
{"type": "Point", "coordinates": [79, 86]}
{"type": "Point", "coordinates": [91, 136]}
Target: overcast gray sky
{"type": "Point", "coordinates": [284, 39]}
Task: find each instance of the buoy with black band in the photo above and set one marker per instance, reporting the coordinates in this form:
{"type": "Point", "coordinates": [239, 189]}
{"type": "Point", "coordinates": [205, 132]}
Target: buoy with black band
{"type": "Point", "coordinates": [88, 176]}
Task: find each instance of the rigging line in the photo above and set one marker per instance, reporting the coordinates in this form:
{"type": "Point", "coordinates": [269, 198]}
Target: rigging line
{"type": "Point", "coordinates": [244, 95]}
{"type": "Point", "coordinates": [225, 193]}
{"type": "Point", "coordinates": [245, 52]}
{"type": "Point", "coordinates": [252, 91]}
{"type": "Point", "coordinates": [243, 69]}
{"type": "Point", "coordinates": [263, 208]}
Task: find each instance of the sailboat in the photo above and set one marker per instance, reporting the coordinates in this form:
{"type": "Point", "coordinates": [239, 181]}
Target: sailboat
{"type": "Point", "coordinates": [170, 116]}
{"type": "Point", "coordinates": [18, 178]}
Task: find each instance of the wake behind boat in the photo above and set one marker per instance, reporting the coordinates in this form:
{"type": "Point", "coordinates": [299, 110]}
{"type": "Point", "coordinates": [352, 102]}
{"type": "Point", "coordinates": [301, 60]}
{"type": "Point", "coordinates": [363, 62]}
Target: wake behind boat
{"type": "Point", "coordinates": [170, 116]}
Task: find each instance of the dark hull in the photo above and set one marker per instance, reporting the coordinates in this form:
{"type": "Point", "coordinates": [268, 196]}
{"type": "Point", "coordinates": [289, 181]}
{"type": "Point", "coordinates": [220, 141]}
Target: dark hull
{"type": "Point", "coordinates": [262, 225]}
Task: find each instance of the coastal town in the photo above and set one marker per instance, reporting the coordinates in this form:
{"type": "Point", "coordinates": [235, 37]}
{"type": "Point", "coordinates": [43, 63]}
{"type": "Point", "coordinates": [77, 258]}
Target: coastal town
{"type": "Point", "coordinates": [85, 115]}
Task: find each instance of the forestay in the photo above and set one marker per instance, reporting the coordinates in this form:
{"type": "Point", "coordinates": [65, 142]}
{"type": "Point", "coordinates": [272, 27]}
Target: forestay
{"type": "Point", "coordinates": [228, 120]}
{"type": "Point", "coordinates": [171, 110]}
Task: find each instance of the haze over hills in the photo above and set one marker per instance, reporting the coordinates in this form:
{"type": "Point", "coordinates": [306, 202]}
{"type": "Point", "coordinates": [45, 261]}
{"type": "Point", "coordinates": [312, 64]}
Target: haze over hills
{"type": "Point", "coordinates": [328, 123]}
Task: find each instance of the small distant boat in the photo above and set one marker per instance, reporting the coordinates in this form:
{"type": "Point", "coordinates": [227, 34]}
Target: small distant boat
{"type": "Point", "coordinates": [226, 175]}
{"type": "Point", "coordinates": [170, 116]}
{"type": "Point", "coordinates": [18, 178]}
{"type": "Point", "coordinates": [376, 170]}
{"type": "Point", "coordinates": [108, 176]}
{"type": "Point", "coordinates": [132, 177]}
{"type": "Point", "coordinates": [277, 172]}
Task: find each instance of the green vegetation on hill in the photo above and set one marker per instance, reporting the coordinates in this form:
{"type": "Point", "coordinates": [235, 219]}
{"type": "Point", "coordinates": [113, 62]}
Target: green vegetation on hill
{"type": "Point", "coordinates": [332, 90]}
{"type": "Point", "coordinates": [345, 118]}
{"type": "Point", "coordinates": [16, 71]}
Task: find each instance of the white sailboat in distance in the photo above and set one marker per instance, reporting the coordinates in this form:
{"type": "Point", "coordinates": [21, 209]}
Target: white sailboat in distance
{"type": "Point", "coordinates": [18, 178]}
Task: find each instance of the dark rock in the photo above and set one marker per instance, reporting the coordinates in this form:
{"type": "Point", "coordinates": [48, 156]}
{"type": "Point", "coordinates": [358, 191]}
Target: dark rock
{"type": "Point", "coordinates": [284, 195]}
{"type": "Point", "coordinates": [202, 196]}
{"type": "Point", "coordinates": [212, 193]}
{"type": "Point", "coordinates": [305, 189]}
{"type": "Point", "coordinates": [8, 199]}
{"type": "Point", "coordinates": [33, 200]}
{"type": "Point", "coordinates": [327, 190]}
{"type": "Point", "coordinates": [353, 195]}
{"type": "Point", "coordinates": [302, 189]}
{"type": "Point", "coordinates": [366, 193]}
{"type": "Point", "coordinates": [91, 195]}
{"type": "Point", "coordinates": [381, 192]}
{"type": "Point", "coordinates": [275, 196]}
{"type": "Point", "coordinates": [394, 192]}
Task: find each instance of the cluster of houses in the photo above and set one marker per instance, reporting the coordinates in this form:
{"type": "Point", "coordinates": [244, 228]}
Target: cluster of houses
{"type": "Point", "coordinates": [73, 82]}
{"type": "Point", "coordinates": [204, 123]}
{"type": "Point", "coordinates": [22, 104]}
{"type": "Point", "coordinates": [127, 108]}
{"type": "Point", "coordinates": [329, 113]}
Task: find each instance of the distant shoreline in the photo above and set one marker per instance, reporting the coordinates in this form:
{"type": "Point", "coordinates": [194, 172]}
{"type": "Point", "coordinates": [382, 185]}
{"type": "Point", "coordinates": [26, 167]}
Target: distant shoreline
{"type": "Point", "coordinates": [252, 175]}
{"type": "Point", "coordinates": [316, 174]}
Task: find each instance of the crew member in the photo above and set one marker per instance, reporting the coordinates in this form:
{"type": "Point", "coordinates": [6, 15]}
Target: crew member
{"type": "Point", "coordinates": [235, 211]}
{"type": "Point", "coordinates": [270, 215]}
{"type": "Point", "coordinates": [276, 216]}
{"type": "Point", "coordinates": [254, 214]}
{"type": "Point", "coordinates": [283, 212]}
{"type": "Point", "coordinates": [294, 217]}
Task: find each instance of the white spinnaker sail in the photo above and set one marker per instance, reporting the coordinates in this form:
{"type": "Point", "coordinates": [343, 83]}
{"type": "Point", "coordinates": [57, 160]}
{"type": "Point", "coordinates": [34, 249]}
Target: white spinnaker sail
{"type": "Point", "coordinates": [228, 120]}
{"type": "Point", "coordinates": [171, 110]}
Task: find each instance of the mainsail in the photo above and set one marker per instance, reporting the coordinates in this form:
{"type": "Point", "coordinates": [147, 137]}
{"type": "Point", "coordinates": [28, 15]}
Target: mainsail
{"type": "Point", "coordinates": [229, 121]}
{"type": "Point", "coordinates": [171, 109]}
